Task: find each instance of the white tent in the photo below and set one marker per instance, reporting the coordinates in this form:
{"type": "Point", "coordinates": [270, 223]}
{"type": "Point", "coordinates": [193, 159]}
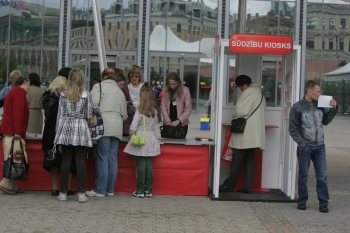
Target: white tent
{"type": "Point", "coordinates": [343, 73]}
{"type": "Point", "coordinates": [174, 43]}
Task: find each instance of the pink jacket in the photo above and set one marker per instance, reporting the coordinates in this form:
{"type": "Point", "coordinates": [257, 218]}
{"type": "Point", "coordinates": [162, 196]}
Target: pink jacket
{"type": "Point", "coordinates": [183, 106]}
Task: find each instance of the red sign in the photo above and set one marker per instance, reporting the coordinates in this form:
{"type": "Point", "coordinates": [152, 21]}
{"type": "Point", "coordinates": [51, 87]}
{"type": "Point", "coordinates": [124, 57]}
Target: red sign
{"type": "Point", "coordinates": [261, 44]}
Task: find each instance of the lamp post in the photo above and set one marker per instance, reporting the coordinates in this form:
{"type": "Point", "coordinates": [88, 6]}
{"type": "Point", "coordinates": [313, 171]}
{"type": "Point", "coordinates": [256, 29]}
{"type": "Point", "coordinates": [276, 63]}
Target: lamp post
{"type": "Point", "coordinates": [24, 47]}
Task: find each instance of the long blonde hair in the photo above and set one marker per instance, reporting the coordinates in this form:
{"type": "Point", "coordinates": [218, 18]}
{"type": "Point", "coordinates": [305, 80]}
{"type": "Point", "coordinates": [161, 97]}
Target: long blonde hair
{"type": "Point", "coordinates": [75, 85]}
{"type": "Point", "coordinates": [146, 106]}
{"type": "Point", "coordinates": [59, 82]}
{"type": "Point", "coordinates": [178, 91]}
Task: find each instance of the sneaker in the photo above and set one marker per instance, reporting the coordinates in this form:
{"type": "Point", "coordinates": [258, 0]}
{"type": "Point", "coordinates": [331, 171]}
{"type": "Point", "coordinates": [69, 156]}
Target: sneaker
{"type": "Point", "coordinates": [148, 193]}
{"type": "Point", "coordinates": [92, 193]}
{"type": "Point", "coordinates": [302, 206]}
{"type": "Point", "coordinates": [82, 198]}
{"type": "Point", "coordinates": [138, 194]}
{"type": "Point", "coordinates": [109, 194]}
{"type": "Point", "coordinates": [62, 197]}
{"type": "Point", "coordinates": [324, 209]}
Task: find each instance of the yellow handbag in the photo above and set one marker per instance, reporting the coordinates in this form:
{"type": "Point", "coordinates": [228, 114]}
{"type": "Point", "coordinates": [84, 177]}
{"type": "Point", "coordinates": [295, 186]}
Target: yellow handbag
{"type": "Point", "coordinates": [139, 140]}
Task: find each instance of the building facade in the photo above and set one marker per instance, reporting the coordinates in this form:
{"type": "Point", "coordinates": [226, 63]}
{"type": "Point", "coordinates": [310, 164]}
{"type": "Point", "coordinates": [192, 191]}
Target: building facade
{"type": "Point", "coordinates": [163, 36]}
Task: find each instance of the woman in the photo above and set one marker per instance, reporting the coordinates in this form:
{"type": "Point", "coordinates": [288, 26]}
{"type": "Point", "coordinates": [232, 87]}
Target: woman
{"type": "Point", "coordinates": [49, 103]}
{"type": "Point", "coordinates": [72, 132]}
{"type": "Point", "coordinates": [111, 101]}
{"type": "Point", "coordinates": [176, 102]}
{"type": "Point", "coordinates": [14, 125]}
{"type": "Point", "coordinates": [34, 94]}
{"type": "Point", "coordinates": [134, 83]}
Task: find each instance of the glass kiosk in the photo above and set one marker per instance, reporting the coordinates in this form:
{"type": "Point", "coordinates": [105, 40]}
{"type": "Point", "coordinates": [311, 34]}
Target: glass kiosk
{"type": "Point", "coordinates": [277, 166]}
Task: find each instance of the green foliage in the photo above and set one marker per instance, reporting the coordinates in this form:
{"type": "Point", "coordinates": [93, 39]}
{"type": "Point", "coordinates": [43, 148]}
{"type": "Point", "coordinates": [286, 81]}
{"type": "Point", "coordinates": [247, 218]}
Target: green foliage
{"type": "Point", "coordinates": [3, 67]}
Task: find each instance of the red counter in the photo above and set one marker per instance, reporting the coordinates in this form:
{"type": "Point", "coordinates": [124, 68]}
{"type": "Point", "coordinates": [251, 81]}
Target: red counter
{"type": "Point", "coordinates": [179, 170]}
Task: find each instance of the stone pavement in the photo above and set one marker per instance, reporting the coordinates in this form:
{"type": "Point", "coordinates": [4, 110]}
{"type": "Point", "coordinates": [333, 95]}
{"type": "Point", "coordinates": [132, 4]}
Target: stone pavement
{"type": "Point", "coordinates": [36, 211]}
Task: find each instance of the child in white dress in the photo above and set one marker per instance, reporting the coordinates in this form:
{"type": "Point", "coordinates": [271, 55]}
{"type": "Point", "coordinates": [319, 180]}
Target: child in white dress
{"type": "Point", "coordinates": [143, 154]}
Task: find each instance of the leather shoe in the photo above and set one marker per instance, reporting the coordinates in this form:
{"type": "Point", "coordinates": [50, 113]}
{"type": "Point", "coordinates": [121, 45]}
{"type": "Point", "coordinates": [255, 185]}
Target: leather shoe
{"type": "Point", "coordinates": [20, 191]}
{"type": "Point", "coordinates": [223, 188]}
{"type": "Point", "coordinates": [55, 192]}
{"type": "Point", "coordinates": [7, 191]}
{"type": "Point", "coordinates": [243, 190]}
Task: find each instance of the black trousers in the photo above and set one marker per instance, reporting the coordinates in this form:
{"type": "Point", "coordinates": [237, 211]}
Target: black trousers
{"type": "Point", "coordinates": [238, 157]}
{"type": "Point", "coordinates": [67, 154]}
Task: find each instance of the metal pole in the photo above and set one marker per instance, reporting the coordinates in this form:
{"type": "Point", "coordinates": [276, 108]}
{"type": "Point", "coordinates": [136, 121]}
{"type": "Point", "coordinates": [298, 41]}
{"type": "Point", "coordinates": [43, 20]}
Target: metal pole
{"type": "Point", "coordinates": [101, 49]}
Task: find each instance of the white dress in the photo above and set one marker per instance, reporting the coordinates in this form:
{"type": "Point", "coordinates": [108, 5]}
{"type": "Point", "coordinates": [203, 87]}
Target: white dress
{"type": "Point", "coordinates": [152, 147]}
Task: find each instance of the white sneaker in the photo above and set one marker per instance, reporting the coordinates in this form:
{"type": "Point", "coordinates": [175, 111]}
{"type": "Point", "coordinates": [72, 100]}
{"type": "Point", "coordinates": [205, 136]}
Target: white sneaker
{"type": "Point", "coordinates": [109, 194]}
{"type": "Point", "coordinates": [62, 197]}
{"type": "Point", "coordinates": [92, 193]}
{"type": "Point", "coordinates": [82, 198]}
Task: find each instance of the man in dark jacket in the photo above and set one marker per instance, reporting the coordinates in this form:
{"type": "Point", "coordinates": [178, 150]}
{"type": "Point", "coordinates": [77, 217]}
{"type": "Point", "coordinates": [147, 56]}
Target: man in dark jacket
{"type": "Point", "coordinates": [306, 122]}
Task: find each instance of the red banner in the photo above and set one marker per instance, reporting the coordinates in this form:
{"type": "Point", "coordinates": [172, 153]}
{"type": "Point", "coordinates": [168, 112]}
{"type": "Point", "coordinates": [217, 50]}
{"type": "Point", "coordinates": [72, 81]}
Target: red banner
{"type": "Point", "coordinates": [261, 44]}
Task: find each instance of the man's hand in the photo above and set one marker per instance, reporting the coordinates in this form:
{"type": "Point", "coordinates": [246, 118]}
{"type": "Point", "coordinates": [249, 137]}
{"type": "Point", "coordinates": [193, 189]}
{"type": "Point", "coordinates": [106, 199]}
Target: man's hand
{"type": "Point", "coordinates": [17, 136]}
{"type": "Point", "coordinates": [333, 103]}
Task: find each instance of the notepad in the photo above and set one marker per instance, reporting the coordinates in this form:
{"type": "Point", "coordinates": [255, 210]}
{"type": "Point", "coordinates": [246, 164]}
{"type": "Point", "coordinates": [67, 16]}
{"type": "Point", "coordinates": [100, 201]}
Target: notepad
{"type": "Point", "coordinates": [323, 101]}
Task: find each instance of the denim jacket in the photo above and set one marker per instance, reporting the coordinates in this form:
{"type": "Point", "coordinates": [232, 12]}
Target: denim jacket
{"type": "Point", "coordinates": [306, 122]}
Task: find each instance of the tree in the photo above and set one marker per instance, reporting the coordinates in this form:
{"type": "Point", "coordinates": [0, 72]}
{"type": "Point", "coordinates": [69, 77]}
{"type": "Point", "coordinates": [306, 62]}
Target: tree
{"type": "Point", "coordinates": [3, 67]}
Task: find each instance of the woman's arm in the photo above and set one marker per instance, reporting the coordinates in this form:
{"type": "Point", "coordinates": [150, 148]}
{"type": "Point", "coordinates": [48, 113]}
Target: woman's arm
{"type": "Point", "coordinates": [135, 122]}
{"type": "Point", "coordinates": [164, 106]}
{"type": "Point", "coordinates": [187, 105]}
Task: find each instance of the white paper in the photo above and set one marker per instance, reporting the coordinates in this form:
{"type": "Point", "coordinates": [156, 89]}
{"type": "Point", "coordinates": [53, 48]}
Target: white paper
{"type": "Point", "coordinates": [324, 100]}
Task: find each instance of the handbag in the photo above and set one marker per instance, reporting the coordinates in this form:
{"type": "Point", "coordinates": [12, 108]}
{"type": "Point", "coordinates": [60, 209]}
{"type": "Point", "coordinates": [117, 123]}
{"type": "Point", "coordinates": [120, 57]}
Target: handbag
{"type": "Point", "coordinates": [139, 140]}
{"type": "Point", "coordinates": [53, 154]}
{"type": "Point", "coordinates": [16, 166]}
{"type": "Point", "coordinates": [95, 123]}
{"type": "Point", "coordinates": [226, 157]}
{"type": "Point", "coordinates": [238, 125]}
{"type": "Point", "coordinates": [167, 131]}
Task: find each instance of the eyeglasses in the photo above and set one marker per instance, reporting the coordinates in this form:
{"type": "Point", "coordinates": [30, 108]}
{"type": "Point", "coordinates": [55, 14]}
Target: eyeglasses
{"type": "Point", "coordinates": [134, 76]}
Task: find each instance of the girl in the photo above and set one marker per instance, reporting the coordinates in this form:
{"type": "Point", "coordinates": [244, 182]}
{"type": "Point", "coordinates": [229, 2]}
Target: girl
{"type": "Point", "coordinates": [144, 154]}
{"type": "Point", "coordinates": [72, 132]}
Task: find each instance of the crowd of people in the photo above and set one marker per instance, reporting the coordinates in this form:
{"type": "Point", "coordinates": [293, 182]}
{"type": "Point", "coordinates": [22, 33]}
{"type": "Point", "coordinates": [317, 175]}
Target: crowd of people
{"type": "Point", "coordinates": [131, 106]}
{"type": "Point", "coordinates": [122, 100]}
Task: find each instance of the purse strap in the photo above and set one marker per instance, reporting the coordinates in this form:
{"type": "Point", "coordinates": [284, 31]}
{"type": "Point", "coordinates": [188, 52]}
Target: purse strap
{"type": "Point", "coordinates": [262, 96]}
{"type": "Point", "coordinates": [99, 102]}
{"type": "Point", "coordinates": [144, 124]}
{"type": "Point", "coordinates": [12, 144]}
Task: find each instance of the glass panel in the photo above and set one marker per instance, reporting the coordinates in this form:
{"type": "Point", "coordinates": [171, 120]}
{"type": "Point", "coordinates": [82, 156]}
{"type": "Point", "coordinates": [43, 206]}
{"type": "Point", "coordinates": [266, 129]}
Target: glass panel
{"type": "Point", "coordinates": [187, 23]}
{"type": "Point", "coordinates": [270, 17]}
{"type": "Point", "coordinates": [233, 17]}
{"type": "Point", "coordinates": [81, 18]}
{"type": "Point", "coordinates": [95, 74]}
{"type": "Point", "coordinates": [230, 82]}
{"type": "Point", "coordinates": [79, 61]}
{"type": "Point", "coordinates": [50, 41]}
{"type": "Point", "coordinates": [268, 83]}
{"type": "Point", "coordinates": [190, 80]}
{"type": "Point", "coordinates": [125, 61]}
{"type": "Point", "coordinates": [4, 33]}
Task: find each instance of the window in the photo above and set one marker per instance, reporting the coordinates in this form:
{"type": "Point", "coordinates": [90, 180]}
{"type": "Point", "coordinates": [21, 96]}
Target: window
{"type": "Point", "coordinates": [310, 42]}
{"type": "Point", "coordinates": [330, 43]}
{"type": "Point", "coordinates": [118, 25]}
{"type": "Point", "coordinates": [127, 26]}
{"type": "Point", "coordinates": [331, 23]}
{"type": "Point", "coordinates": [109, 26]}
{"type": "Point", "coordinates": [179, 27]}
{"type": "Point", "coordinates": [341, 44]}
{"type": "Point", "coordinates": [343, 23]}
{"type": "Point", "coordinates": [312, 22]}
{"type": "Point", "coordinates": [323, 43]}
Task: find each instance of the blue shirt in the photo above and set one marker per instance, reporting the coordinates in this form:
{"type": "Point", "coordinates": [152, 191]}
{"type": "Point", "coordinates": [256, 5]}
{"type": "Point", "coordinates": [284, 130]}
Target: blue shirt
{"type": "Point", "coordinates": [4, 92]}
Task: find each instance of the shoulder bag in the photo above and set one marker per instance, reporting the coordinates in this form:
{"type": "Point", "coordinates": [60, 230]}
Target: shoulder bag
{"type": "Point", "coordinates": [16, 166]}
{"type": "Point", "coordinates": [95, 123]}
{"type": "Point", "coordinates": [139, 140]}
{"type": "Point", "coordinates": [238, 125]}
{"type": "Point", "coordinates": [167, 131]}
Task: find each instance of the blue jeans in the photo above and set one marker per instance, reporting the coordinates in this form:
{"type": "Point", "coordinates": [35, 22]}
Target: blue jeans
{"type": "Point", "coordinates": [318, 156]}
{"type": "Point", "coordinates": [105, 153]}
